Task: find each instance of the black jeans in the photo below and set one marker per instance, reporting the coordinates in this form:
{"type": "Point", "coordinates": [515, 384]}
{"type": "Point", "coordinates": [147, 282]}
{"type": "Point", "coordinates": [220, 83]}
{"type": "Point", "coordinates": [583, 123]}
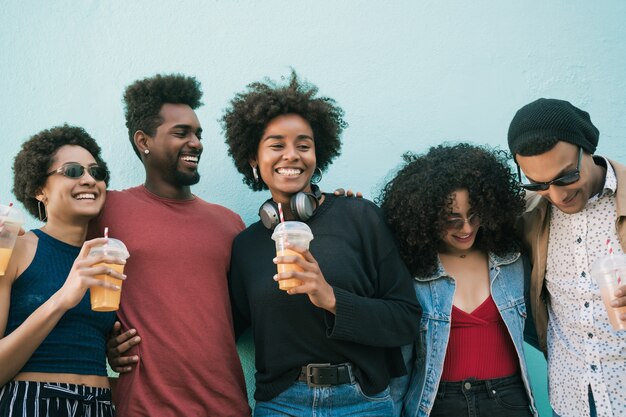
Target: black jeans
{"type": "Point", "coordinates": [491, 397]}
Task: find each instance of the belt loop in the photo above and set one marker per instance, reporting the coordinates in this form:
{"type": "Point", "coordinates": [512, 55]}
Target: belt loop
{"type": "Point", "coordinates": [353, 378]}
{"type": "Point", "coordinates": [491, 391]}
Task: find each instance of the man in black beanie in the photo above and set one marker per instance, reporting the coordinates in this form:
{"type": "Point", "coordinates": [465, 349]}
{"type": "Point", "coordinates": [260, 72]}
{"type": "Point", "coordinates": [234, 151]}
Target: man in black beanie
{"type": "Point", "coordinates": [553, 143]}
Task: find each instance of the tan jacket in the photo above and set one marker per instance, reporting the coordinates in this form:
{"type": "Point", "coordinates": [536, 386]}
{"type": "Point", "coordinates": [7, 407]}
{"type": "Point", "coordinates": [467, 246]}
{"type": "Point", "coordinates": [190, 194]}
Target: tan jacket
{"type": "Point", "coordinates": [536, 229]}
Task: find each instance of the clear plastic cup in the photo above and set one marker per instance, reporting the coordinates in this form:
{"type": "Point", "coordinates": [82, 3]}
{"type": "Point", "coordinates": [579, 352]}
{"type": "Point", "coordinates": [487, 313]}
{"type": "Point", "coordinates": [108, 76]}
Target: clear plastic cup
{"type": "Point", "coordinates": [106, 299]}
{"type": "Point", "coordinates": [297, 234]}
{"type": "Point", "coordinates": [610, 273]}
{"type": "Point", "coordinates": [11, 220]}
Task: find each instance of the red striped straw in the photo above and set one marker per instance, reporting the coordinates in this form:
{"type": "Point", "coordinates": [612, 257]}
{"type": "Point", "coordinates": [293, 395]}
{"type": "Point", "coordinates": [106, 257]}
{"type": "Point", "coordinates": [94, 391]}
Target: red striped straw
{"type": "Point", "coordinates": [609, 246]}
{"type": "Point", "coordinates": [280, 213]}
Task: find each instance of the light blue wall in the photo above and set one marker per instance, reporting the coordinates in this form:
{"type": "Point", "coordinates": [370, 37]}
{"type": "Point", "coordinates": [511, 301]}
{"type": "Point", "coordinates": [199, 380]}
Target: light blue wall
{"type": "Point", "coordinates": [409, 74]}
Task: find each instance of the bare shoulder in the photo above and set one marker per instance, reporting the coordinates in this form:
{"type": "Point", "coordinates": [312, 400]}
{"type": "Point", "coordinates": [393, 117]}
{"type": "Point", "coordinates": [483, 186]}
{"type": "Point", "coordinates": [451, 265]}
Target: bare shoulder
{"type": "Point", "coordinates": [23, 254]}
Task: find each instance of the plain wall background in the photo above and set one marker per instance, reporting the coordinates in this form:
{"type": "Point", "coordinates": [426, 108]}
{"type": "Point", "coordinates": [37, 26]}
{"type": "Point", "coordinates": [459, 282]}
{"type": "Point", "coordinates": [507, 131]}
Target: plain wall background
{"type": "Point", "coordinates": [409, 74]}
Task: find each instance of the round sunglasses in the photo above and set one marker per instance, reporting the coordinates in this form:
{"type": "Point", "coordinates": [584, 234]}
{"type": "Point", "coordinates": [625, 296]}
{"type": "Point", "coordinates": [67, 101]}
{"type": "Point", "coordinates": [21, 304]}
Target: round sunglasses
{"type": "Point", "coordinates": [75, 171]}
{"type": "Point", "coordinates": [457, 223]}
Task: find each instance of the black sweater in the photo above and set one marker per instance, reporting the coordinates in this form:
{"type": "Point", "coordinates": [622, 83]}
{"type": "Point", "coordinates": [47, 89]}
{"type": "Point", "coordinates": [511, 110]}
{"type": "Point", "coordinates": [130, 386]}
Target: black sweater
{"type": "Point", "coordinates": [376, 306]}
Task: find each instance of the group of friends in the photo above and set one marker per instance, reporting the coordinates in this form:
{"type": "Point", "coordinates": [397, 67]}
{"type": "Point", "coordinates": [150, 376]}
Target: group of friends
{"type": "Point", "coordinates": [417, 306]}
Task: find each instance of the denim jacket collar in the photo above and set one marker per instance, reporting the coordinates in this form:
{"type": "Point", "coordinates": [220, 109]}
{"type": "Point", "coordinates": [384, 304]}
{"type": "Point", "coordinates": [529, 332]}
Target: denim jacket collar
{"type": "Point", "coordinates": [494, 261]}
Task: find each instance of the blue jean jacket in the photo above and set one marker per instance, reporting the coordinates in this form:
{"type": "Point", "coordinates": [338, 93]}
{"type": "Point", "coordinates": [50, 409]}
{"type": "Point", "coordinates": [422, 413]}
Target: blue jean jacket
{"type": "Point", "coordinates": [435, 293]}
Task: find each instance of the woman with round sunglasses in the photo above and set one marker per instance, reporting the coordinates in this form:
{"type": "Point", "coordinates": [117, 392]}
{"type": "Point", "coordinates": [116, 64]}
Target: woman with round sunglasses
{"type": "Point", "coordinates": [330, 345]}
{"type": "Point", "coordinates": [52, 350]}
{"type": "Point", "coordinates": [453, 212]}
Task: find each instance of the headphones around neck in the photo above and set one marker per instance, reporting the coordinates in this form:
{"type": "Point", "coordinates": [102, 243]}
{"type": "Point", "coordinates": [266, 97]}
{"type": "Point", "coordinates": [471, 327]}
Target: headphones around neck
{"type": "Point", "coordinates": [302, 204]}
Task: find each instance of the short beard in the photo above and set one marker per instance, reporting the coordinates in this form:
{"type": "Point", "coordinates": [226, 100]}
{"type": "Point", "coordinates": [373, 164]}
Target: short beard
{"type": "Point", "coordinates": [186, 179]}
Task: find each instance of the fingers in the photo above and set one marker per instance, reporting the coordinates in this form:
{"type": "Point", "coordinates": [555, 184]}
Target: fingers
{"type": "Point", "coordinates": [620, 301]}
{"type": "Point", "coordinates": [118, 339]}
{"type": "Point", "coordinates": [99, 259]}
{"type": "Point", "coordinates": [84, 251]}
{"type": "Point", "coordinates": [105, 269]}
{"type": "Point", "coordinates": [339, 192]}
{"type": "Point", "coordinates": [123, 364]}
{"type": "Point", "coordinates": [120, 344]}
{"type": "Point", "coordinates": [291, 259]}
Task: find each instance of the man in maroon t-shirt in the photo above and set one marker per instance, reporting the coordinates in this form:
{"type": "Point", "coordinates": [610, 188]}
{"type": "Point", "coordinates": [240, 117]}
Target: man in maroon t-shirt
{"type": "Point", "coordinates": [176, 295]}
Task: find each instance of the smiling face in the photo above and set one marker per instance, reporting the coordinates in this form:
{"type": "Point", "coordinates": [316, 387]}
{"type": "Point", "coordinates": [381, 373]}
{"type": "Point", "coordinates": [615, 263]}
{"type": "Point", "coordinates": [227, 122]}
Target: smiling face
{"type": "Point", "coordinates": [66, 198]}
{"type": "Point", "coordinates": [286, 156]}
{"type": "Point", "coordinates": [457, 240]}
{"type": "Point", "coordinates": [558, 161]}
{"type": "Point", "coordinates": [175, 148]}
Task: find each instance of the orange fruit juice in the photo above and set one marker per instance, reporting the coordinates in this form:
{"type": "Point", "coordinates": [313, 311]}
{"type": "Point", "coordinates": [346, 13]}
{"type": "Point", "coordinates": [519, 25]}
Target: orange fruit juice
{"type": "Point", "coordinates": [5, 255]}
{"type": "Point", "coordinates": [287, 284]}
{"type": "Point", "coordinates": [105, 299]}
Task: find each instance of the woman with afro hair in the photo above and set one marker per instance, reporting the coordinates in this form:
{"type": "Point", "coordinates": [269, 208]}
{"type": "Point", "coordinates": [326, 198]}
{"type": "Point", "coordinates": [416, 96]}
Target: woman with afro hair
{"type": "Point", "coordinates": [453, 211]}
{"type": "Point", "coordinates": [52, 345]}
{"type": "Point", "coordinates": [333, 342]}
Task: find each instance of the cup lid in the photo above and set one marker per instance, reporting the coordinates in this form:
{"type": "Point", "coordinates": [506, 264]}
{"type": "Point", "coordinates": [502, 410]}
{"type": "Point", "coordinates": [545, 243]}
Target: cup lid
{"type": "Point", "coordinates": [292, 228]}
{"type": "Point", "coordinates": [115, 247]}
{"type": "Point", "coordinates": [608, 264]}
{"type": "Point", "coordinates": [11, 214]}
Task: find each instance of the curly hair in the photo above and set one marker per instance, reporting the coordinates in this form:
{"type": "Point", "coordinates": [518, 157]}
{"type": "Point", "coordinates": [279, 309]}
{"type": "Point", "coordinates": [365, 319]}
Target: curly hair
{"type": "Point", "coordinates": [143, 100]}
{"type": "Point", "coordinates": [33, 161]}
{"type": "Point", "coordinates": [251, 110]}
{"type": "Point", "coordinates": [418, 200]}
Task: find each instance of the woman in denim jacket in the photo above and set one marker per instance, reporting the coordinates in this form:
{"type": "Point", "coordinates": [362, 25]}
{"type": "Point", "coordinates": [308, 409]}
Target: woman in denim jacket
{"type": "Point", "coordinates": [453, 212]}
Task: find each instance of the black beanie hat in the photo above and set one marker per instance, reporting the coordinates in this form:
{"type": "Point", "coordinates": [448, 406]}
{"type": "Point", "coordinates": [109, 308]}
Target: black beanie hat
{"type": "Point", "coordinates": [549, 119]}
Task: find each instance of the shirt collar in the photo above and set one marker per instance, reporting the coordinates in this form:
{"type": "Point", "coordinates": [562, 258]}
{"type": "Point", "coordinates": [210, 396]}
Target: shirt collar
{"type": "Point", "coordinates": [610, 180]}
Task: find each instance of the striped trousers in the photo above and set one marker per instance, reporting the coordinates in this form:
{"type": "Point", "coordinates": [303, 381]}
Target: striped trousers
{"type": "Point", "coordinates": [39, 399]}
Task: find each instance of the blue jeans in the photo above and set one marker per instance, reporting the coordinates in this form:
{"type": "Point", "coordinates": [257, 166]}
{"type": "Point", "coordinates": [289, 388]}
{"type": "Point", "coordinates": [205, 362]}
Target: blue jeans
{"type": "Point", "coordinates": [492, 397]}
{"type": "Point", "coordinates": [300, 400]}
{"type": "Point", "coordinates": [592, 406]}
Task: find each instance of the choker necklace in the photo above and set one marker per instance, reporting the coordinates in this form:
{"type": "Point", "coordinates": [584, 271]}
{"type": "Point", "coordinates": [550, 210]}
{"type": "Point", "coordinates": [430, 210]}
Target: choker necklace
{"type": "Point", "coordinates": [462, 256]}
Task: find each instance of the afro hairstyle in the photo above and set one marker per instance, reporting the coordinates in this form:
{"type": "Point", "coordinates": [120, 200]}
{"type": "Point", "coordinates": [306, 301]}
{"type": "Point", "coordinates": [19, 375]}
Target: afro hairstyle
{"type": "Point", "coordinates": [251, 110]}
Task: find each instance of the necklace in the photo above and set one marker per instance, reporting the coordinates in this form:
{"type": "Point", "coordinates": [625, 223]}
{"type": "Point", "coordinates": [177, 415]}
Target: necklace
{"type": "Point", "coordinates": [462, 256]}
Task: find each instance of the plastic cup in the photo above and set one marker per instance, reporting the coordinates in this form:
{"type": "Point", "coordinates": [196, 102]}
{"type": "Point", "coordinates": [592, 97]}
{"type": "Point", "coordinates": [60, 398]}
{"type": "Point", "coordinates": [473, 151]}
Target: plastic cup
{"type": "Point", "coordinates": [106, 299]}
{"type": "Point", "coordinates": [610, 273]}
{"type": "Point", "coordinates": [297, 234]}
{"type": "Point", "coordinates": [11, 220]}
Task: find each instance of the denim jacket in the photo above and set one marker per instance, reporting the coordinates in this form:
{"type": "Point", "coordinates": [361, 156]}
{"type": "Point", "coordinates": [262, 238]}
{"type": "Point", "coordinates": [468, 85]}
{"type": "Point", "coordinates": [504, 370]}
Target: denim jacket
{"type": "Point", "coordinates": [435, 293]}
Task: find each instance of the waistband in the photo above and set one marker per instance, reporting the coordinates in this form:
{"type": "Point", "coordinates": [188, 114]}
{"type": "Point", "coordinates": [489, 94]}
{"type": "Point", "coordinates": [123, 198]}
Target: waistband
{"type": "Point", "coordinates": [44, 390]}
{"type": "Point", "coordinates": [472, 384]}
{"type": "Point", "coordinates": [326, 375]}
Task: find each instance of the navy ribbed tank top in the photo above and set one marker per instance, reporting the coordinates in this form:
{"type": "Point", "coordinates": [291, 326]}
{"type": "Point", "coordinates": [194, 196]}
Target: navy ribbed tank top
{"type": "Point", "coordinates": [77, 343]}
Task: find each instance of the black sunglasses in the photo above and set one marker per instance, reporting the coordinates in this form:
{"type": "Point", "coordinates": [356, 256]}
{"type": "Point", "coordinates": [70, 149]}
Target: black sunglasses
{"type": "Point", "coordinates": [75, 170]}
{"type": "Point", "coordinates": [457, 223]}
{"type": "Point", "coordinates": [567, 179]}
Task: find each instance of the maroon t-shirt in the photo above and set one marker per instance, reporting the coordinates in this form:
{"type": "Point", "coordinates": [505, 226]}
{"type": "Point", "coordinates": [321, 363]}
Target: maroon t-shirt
{"type": "Point", "coordinates": [176, 296]}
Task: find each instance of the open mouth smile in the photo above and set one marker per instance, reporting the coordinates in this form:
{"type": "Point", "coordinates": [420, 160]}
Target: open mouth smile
{"type": "Point", "coordinates": [289, 172]}
{"type": "Point", "coordinates": [85, 196]}
{"type": "Point", "coordinates": [190, 161]}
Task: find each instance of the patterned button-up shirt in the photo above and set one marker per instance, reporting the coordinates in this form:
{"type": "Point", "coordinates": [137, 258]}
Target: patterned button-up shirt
{"type": "Point", "coordinates": [583, 349]}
